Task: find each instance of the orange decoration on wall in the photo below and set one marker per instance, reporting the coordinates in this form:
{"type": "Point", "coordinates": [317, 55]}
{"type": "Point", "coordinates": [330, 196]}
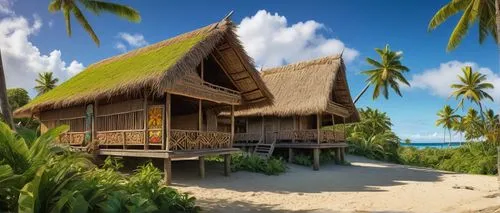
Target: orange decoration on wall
{"type": "Point", "coordinates": [155, 115]}
{"type": "Point", "coordinates": [155, 124]}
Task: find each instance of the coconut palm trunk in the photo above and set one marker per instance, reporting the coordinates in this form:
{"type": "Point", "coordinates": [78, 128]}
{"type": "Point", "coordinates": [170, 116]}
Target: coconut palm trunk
{"type": "Point", "coordinates": [4, 101]}
{"type": "Point", "coordinates": [497, 14]}
{"type": "Point", "coordinates": [362, 92]}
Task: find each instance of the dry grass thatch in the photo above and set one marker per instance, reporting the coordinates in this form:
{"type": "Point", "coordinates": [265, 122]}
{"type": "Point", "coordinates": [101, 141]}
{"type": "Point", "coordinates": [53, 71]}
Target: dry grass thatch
{"type": "Point", "coordinates": [154, 67]}
{"type": "Point", "coordinates": [305, 88]}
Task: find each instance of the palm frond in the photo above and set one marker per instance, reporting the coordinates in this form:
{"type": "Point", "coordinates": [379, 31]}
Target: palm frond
{"type": "Point", "coordinates": [85, 24]}
{"type": "Point", "coordinates": [121, 11]}
{"type": "Point", "coordinates": [461, 29]}
{"type": "Point", "coordinates": [445, 12]}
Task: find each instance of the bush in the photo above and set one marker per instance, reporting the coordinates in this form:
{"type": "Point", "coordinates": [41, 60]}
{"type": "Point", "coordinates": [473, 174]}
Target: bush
{"type": "Point", "coordinates": [475, 158]}
{"type": "Point", "coordinates": [304, 160]}
{"type": "Point", "coordinates": [253, 163]}
{"type": "Point", "coordinates": [37, 175]}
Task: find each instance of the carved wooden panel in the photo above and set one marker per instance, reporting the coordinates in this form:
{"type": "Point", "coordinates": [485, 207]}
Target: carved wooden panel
{"type": "Point", "coordinates": [134, 138]}
{"type": "Point", "coordinates": [121, 137]}
{"type": "Point", "coordinates": [193, 140]}
{"type": "Point", "coordinates": [71, 138]}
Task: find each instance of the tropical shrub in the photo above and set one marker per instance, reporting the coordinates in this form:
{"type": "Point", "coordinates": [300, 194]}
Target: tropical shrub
{"type": "Point", "coordinates": [475, 158]}
{"type": "Point", "coordinates": [40, 176]}
{"type": "Point", "coordinates": [301, 159]}
{"type": "Point", "coordinates": [382, 146]}
{"type": "Point", "coordinates": [306, 160]}
{"type": "Point", "coordinates": [253, 163]}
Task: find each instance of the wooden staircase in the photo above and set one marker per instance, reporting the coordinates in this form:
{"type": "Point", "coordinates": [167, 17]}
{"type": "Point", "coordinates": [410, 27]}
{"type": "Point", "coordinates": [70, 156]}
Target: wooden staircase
{"type": "Point", "coordinates": [264, 150]}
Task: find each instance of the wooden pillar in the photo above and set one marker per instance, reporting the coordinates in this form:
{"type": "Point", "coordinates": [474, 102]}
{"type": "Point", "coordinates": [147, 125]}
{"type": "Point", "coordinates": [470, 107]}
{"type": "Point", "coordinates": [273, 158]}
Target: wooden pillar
{"type": "Point", "coordinates": [201, 161]}
{"type": "Point", "coordinates": [227, 164]}
{"type": "Point", "coordinates": [290, 155]}
{"type": "Point", "coordinates": [168, 105]}
{"type": "Point", "coordinates": [294, 128]}
{"type": "Point", "coordinates": [338, 157]}
{"type": "Point", "coordinates": [232, 123]}
{"type": "Point", "coordinates": [342, 155]}
{"type": "Point", "coordinates": [263, 131]}
{"type": "Point", "coordinates": [344, 128]}
{"type": "Point", "coordinates": [316, 159]}
{"type": "Point", "coordinates": [200, 115]}
{"type": "Point", "coordinates": [93, 134]}
{"type": "Point", "coordinates": [145, 116]}
{"type": "Point", "coordinates": [318, 126]}
{"type": "Point", "coordinates": [246, 125]}
{"type": "Point", "coordinates": [167, 170]}
{"type": "Point", "coordinates": [333, 128]}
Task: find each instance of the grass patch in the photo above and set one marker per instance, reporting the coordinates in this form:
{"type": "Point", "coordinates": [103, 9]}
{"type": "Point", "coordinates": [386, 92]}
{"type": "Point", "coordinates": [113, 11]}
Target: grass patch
{"type": "Point", "coordinates": [102, 77]}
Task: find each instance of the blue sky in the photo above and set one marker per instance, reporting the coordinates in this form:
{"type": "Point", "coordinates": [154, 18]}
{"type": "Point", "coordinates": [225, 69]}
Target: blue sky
{"type": "Point", "coordinates": [274, 32]}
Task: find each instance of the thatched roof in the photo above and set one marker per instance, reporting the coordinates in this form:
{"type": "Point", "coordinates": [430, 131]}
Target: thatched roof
{"type": "Point", "coordinates": [304, 88]}
{"type": "Point", "coordinates": [156, 67]}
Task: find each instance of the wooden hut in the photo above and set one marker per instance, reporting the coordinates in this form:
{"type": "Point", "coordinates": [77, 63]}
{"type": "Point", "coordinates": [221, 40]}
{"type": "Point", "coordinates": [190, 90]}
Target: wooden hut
{"type": "Point", "coordinates": [308, 96]}
{"type": "Point", "coordinates": [160, 101]}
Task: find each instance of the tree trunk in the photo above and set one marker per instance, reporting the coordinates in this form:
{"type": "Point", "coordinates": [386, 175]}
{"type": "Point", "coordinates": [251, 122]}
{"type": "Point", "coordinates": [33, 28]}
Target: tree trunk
{"type": "Point", "coordinates": [449, 132]}
{"type": "Point", "coordinates": [481, 111]}
{"type": "Point", "coordinates": [361, 93]}
{"type": "Point", "coordinates": [4, 101]}
{"type": "Point", "coordinates": [444, 135]}
{"type": "Point", "coordinates": [497, 6]}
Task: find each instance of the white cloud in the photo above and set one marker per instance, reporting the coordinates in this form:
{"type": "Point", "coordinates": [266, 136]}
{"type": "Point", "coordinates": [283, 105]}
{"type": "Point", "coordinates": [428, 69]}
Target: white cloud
{"type": "Point", "coordinates": [438, 80]}
{"type": "Point", "coordinates": [272, 42]}
{"type": "Point", "coordinates": [22, 60]}
{"type": "Point", "coordinates": [120, 46]}
{"type": "Point", "coordinates": [6, 7]}
{"type": "Point", "coordinates": [51, 23]}
{"type": "Point", "coordinates": [133, 41]}
{"type": "Point", "coordinates": [75, 67]}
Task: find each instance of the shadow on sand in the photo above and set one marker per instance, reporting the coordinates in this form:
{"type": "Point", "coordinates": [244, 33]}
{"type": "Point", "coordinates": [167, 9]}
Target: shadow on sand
{"type": "Point", "coordinates": [362, 176]}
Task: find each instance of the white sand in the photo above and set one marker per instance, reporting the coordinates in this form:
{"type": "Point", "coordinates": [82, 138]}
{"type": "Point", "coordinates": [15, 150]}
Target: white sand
{"type": "Point", "coordinates": [366, 185]}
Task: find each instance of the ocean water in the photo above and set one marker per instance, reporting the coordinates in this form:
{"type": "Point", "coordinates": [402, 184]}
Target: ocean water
{"type": "Point", "coordinates": [422, 145]}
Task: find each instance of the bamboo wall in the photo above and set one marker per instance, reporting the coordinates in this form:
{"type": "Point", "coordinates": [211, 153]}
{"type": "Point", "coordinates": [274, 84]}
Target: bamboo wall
{"type": "Point", "coordinates": [126, 115]}
{"type": "Point", "coordinates": [280, 123]}
{"type": "Point", "coordinates": [72, 116]}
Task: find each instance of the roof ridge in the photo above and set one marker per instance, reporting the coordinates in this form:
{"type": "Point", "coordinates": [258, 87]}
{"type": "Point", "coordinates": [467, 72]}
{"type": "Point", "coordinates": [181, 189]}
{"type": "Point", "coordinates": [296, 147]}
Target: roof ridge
{"type": "Point", "coordinates": [159, 44]}
{"type": "Point", "coordinates": [302, 64]}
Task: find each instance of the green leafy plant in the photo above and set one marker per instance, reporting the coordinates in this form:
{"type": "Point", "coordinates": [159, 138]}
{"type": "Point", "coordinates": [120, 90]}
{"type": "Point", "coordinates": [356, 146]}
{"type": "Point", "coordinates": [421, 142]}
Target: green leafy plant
{"type": "Point", "coordinates": [40, 176]}
{"type": "Point", "coordinates": [475, 158]}
{"type": "Point", "coordinates": [304, 160]}
{"type": "Point", "coordinates": [253, 163]}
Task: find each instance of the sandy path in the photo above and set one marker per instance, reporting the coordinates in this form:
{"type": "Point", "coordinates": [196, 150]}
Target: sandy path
{"type": "Point", "coordinates": [365, 186]}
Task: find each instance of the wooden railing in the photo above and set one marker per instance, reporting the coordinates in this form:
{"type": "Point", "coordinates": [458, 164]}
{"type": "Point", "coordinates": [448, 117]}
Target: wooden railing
{"type": "Point", "coordinates": [199, 82]}
{"type": "Point", "coordinates": [247, 137]}
{"type": "Point", "coordinates": [293, 136]}
{"type": "Point", "coordinates": [121, 137]}
{"type": "Point", "coordinates": [194, 140]}
{"type": "Point", "coordinates": [72, 138]}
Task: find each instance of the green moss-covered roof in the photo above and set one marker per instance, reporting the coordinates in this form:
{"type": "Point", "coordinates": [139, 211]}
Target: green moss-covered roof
{"type": "Point", "coordinates": [124, 73]}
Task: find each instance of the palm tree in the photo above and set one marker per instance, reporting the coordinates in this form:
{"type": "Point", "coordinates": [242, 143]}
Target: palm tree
{"type": "Point", "coordinates": [68, 7]}
{"type": "Point", "coordinates": [459, 126]}
{"type": "Point", "coordinates": [473, 125]}
{"type": "Point", "coordinates": [491, 126]}
{"type": "Point", "coordinates": [481, 11]}
{"type": "Point", "coordinates": [388, 73]}
{"type": "Point", "coordinates": [4, 101]}
{"type": "Point", "coordinates": [472, 87]}
{"type": "Point", "coordinates": [373, 122]}
{"type": "Point", "coordinates": [446, 118]}
{"type": "Point", "coordinates": [45, 82]}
